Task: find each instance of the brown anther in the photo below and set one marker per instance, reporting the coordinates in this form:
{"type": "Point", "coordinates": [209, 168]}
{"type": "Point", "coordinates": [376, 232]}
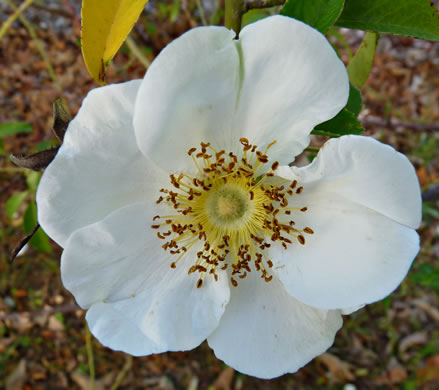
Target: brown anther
{"type": "Point", "coordinates": [192, 270]}
{"type": "Point", "coordinates": [156, 217]}
{"type": "Point", "coordinates": [199, 283]}
{"type": "Point", "coordinates": [191, 150]}
{"type": "Point", "coordinates": [299, 190]}
{"type": "Point", "coordinates": [301, 239]}
{"type": "Point", "coordinates": [252, 195]}
{"type": "Point", "coordinates": [308, 230]}
{"type": "Point", "coordinates": [270, 263]}
{"type": "Point", "coordinates": [173, 265]}
{"type": "Point", "coordinates": [155, 226]}
{"type": "Point", "coordinates": [234, 282]}
{"type": "Point", "coordinates": [293, 184]}
{"type": "Point", "coordinates": [274, 166]}
{"type": "Point", "coordinates": [303, 209]}
{"type": "Point", "coordinates": [270, 174]}
{"type": "Point", "coordinates": [244, 141]}
{"type": "Point", "coordinates": [287, 212]}
{"type": "Point", "coordinates": [160, 236]}
{"type": "Point", "coordinates": [242, 276]}
{"type": "Point", "coordinates": [268, 279]}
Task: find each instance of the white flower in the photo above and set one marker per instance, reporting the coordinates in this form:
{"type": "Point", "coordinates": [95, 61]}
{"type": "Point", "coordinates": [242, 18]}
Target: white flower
{"type": "Point", "coordinates": [259, 258]}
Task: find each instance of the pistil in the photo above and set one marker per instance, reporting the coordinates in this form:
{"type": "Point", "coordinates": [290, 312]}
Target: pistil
{"type": "Point", "coordinates": [235, 208]}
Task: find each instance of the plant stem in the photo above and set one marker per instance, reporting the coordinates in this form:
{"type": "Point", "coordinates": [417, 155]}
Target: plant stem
{"type": "Point", "coordinates": [131, 43]}
{"type": "Point", "coordinates": [91, 364]}
{"type": "Point", "coordinates": [201, 11]}
{"type": "Point", "coordinates": [13, 170]}
{"type": "Point", "coordinates": [126, 367]}
{"type": "Point", "coordinates": [233, 15]}
{"type": "Point", "coordinates": [13, 17]}
{"type": "Point", "coordinates": [250, 4]}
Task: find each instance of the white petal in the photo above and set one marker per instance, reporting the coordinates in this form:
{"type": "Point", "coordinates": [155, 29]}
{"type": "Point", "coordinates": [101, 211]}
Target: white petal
{"type": "Point", "coordinates": [363, 202]}
{"type": "Point", "coordinates": [98, 168]}
{"type": "Point", "coordinates": [188, 96]}
{"type": "Point", "coordinates": [366, 172]}
{"type": "Point", "coordinates": [266, 333]}
{"type": "Point", "coordinates": [293, 80]}
{"type": "Point", "coordinates": [349, 310]}
{"type": "Point", "coordinates": [138, 304]}
{"type": "Point", "coordinates": [355, 256]}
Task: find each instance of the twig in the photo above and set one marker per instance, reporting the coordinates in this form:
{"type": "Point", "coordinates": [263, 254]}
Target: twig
{"type": "Point", "coordinates": [395, 124]}
{"type": "Point", "coordinates": [131, 43]}
{"type": "Point", "coordinates": [13, 17]}
{"type": "Point", "coordinates": [57, 309]}
{"type": "Point", "coordinates": [262, 4]}
{"type": "Point", "coordinates": [201, 11]}
{"type": "Point", "coordinates": [91, 363]}
{"type": "Point", "coordinates": [126, 367]}
{"type": "Point", "coordinates": [39, 46]}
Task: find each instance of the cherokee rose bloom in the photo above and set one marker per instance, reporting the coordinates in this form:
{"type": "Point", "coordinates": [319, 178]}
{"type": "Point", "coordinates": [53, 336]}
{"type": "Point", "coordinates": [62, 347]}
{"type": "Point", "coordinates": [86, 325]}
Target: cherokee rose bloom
{"type": "Point", "coordinates": [181, 220]}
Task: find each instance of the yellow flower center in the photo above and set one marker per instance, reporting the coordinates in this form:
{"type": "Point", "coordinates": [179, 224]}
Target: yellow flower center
{"type": "Point", "coordinates": [236, 207]}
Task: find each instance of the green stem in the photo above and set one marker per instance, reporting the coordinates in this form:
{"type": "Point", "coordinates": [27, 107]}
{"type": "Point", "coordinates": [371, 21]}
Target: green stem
{"type": "Point", "coordinates": [131, 43]}
{"type": "Point", "coordinates": [126, 367]}
{"type": "Point", "coordinates": [18, 11]}
{"type": "Point", "coordinates": [91, 364]}
{"type": "Point", "coordinates": [233, 15]}
{"type": "Point", "coordinates": [201, 11]}
{"type": "Point", "coordinates": [13, 170]}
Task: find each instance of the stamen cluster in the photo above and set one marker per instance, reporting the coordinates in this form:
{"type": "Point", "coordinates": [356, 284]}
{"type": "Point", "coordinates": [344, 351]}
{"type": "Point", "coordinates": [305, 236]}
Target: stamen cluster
{"type": "Point", "coordinates": [255, 216]}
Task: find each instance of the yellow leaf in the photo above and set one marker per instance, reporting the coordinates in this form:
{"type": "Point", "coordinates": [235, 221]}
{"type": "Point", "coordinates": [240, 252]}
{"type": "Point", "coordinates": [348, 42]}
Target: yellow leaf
{"type": "Point", "coordinates": [105, 25]}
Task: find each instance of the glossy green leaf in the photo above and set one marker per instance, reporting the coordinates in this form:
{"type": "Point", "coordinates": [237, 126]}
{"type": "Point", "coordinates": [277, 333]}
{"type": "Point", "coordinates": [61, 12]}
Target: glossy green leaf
{"type": "Point", "coordinates": [39, 240]}
{"type": "Point", "coordinates": [320, 14]}
{"type": "Point", "coordinates": [361, 64]}
{"type": "Point", "coordinates": [415, 18]}
{"type": "Point", "coordinates": [355, 102]}
{"type": "Point", "coordinates": [14, 202]}
{"type": "Point", "coordinates": [345, 122]}
{"type": "Point", "coordinates": [11, 128]}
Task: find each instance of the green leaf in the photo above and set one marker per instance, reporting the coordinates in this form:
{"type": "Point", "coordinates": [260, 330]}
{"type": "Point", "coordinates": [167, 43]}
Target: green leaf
{"type": "Point", "coordinates": [14, 202]}
{"type": "Point", "coordinates": [414, 18]}
{"type": "Point", "coordinates": [355, 102]}
{"type": "Point", "coordinates": [12, 128]}
{"type": "Point", "coordinates": [32, 180]}
{"type": "Point", "coordinates": [427, 276]}
{"type": "Point", "coordinates": [361, 64]}
{"type": "Point", "coordinates": [345, 122]}
{"type": "Point", "coordinates": [320, 14]}
{"type": "Point", "coordinates": [253, 16]}
{"type": "Point", "coordinates": [39, 240]}
{"type": "Point", "coordinates": [2, 147]}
